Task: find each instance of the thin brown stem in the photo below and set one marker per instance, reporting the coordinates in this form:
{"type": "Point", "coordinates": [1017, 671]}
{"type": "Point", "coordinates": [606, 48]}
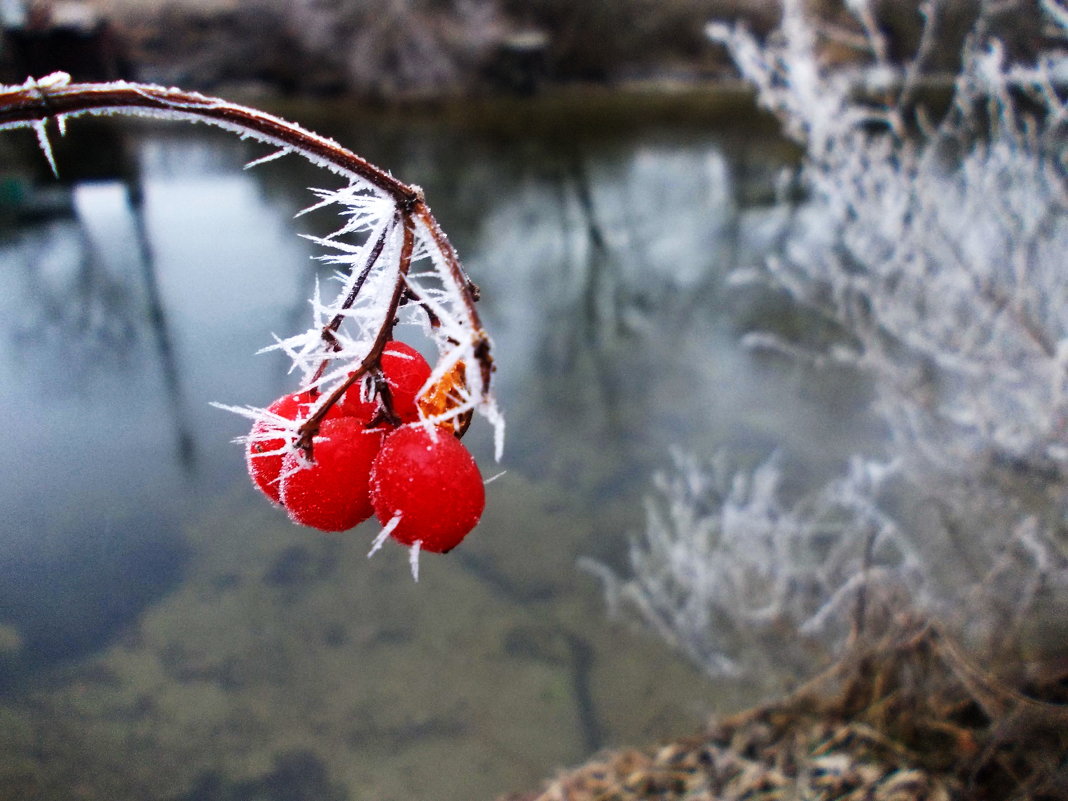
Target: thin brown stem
{"type": "Point", "coordinates": [35, 104]}
{"type": "Point", "coordinates": [310, 426]}
{"type": "Point", "coordinates": [331, 328]}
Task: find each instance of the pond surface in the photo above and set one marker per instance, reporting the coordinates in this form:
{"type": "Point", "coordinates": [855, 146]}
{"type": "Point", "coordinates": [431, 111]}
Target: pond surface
{"type": "Point", "coordinates": [166, 634]}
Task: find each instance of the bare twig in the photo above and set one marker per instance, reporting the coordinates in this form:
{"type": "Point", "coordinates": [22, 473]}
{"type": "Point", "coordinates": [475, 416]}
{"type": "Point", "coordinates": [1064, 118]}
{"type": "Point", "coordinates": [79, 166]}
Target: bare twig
{"type": "Point", "coordinates": [51, 101]}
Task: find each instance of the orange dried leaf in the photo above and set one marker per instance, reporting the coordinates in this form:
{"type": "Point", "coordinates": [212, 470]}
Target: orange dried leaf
{"type": "Point", "coordinates": [444, 396]}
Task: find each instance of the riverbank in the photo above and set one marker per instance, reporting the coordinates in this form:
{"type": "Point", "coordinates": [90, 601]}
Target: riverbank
{"type": "Point", "coordinates": [910, 718]}
{"type": "Point", "coordinates": [417, 51]}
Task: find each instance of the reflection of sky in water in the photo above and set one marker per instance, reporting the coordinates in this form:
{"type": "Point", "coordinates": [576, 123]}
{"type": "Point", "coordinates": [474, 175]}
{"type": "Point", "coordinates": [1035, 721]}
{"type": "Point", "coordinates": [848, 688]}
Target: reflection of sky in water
{"type": "Point", "coordinates": [93, 398]}
{"type": "Point", "coordinates": [602, 276]}
{"type": "Point", "coordinates": [101, 395]}
{"type": "Point", "coordinates": [605, 289]}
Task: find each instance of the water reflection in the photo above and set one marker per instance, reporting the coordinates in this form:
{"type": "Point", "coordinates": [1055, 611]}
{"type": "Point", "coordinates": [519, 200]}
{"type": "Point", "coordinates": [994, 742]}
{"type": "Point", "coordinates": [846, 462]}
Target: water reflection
{"type": "Point", "coordinates": [69, 603]}
{"type": "Point", "coordinates": [94, 389]}
{"type": "Point", "coordinates": [245, 653]}
{"type": "Point", "coordinates": [75, 302]}
{"type": "Point", "coordinates": [605, 285]}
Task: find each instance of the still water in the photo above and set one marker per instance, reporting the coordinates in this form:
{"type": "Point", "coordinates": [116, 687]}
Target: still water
{"type": "Point", "coordinates": [165, 634]}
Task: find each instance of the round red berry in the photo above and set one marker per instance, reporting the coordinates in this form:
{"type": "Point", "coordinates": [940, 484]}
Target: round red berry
{"type": "Point", "coordinates": [405, 371]}
{"type": "Point", "coordinates": [431, 480]}
{"type": "Point", "coordinates": [330, 492]}
{"type": "Point", "coordinates": [263, 452]}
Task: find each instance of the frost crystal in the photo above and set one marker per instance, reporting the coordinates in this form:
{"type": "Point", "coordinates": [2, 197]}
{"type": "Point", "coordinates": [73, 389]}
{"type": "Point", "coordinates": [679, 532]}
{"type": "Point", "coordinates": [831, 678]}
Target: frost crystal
{"type": "Point", "coordinates": [413, 559]}
{"type": "Point", "coordinates": [376, 287]}
{"type": "Point", "coordinates": [383, 535]}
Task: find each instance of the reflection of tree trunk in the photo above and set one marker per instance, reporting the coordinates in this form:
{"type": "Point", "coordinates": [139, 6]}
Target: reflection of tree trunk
{"type": "Point", "coordinates": [595, 287]}
{"type": "Point", "coordinates": [157, 321]}
{"type": "Point", "coordinates": [596, 328]}
{"type": "Point", "coordinates": [726, 250]}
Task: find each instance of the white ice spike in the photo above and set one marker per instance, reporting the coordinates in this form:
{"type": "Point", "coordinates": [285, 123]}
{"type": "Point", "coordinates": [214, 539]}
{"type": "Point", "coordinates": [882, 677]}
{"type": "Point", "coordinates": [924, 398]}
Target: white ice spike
{"type": "Point", "coordinates": [383, 535]}
{"type": "Point", "coordinates": [413, 559]}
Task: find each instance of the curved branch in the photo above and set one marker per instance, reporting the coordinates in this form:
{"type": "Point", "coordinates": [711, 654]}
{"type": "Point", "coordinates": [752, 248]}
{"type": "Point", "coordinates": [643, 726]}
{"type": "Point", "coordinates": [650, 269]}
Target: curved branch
{"type": "Point", "coordinates": [311, 426]}
{"type": "Point", "coordinates": [54, 99]}
{"type": "Point", "coordinates": [35, 102]}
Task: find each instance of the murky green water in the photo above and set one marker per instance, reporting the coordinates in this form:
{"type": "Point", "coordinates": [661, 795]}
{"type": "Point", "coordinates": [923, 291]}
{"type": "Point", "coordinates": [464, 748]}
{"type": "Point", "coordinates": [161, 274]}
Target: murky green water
{"type": "Point", "coordinates": [164, 634]}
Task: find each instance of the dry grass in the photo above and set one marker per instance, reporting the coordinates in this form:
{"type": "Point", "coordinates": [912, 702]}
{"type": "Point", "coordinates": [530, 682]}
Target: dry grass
{"type": "Point", "coordinates": [910, 717]}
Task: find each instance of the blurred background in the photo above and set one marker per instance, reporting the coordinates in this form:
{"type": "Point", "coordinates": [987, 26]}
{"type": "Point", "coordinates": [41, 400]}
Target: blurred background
{"type": "Point", "coordinates": [393, 49]}
{"type": "Point", "coordinates": [164, 634]}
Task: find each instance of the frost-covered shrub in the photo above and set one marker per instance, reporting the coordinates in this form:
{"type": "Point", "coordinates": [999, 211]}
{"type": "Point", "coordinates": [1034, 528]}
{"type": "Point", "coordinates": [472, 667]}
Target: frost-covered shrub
{"type": "Point", "coordinates": [940, 254]}
{"type": "Point", "coordinates": [936, 247]}
{"type": "Point", "coordinates": [938, 251]}
{"type": "Point", "coordinates": [729, 573]}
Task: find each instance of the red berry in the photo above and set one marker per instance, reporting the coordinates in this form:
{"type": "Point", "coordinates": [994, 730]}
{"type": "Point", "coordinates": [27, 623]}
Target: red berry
{"type": "Point", "coordinates": [331, 491]}
{"type": "Point", "coordinates": [431, 480]}
{"type": "Point", "coordinates": [264, 465]}
{"type": "Point", "coordinates": [405, 371]}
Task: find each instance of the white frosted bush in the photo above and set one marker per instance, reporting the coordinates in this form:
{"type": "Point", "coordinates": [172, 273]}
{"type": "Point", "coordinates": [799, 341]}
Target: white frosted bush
{"type": "Point", "coordinates": [728, 572]}
{"type": "Point", "coordinates": [938, 253]}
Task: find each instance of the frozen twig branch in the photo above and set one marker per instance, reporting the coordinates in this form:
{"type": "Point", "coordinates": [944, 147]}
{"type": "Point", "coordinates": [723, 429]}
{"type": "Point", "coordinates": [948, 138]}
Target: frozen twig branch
{"type": "Point", "coordinates": [395, 259]}
{"type": "Point", "coordinates": [54, 98]}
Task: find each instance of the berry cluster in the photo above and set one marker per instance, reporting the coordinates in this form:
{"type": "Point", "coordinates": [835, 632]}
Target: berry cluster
{"type": "Point", "coordinates": [371, 456]}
